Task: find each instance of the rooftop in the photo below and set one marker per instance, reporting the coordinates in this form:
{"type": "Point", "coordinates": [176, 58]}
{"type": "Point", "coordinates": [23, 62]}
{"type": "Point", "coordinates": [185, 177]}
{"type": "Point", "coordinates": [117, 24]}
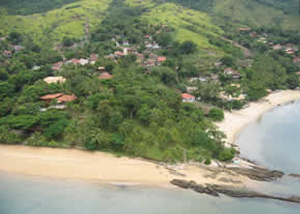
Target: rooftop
{"type": "Point", "coordinates": [187, 96]}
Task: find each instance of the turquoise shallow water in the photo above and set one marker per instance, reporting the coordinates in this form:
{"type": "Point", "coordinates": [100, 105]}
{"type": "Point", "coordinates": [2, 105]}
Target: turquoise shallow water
{"type": "Point", "coordinates": [273, 141]}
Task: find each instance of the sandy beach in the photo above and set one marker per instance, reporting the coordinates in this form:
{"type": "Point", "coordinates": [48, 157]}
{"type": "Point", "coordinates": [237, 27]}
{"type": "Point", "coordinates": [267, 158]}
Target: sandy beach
{"type": "Point", "coordinates": [106, 168]}
{"type": "Point", "coordinates": [235, 121]}
{"type": "Point", "coordinates": [98, 167]}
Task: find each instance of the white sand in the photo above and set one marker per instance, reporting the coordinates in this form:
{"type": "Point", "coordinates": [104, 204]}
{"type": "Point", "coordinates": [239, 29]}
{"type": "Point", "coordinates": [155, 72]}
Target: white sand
{"type": "Point", "coordinates": [96, 166]}
{"type": "Point", "coordinates": [104, 167]}
{"type": "Point", "coordinates": [234, 121]}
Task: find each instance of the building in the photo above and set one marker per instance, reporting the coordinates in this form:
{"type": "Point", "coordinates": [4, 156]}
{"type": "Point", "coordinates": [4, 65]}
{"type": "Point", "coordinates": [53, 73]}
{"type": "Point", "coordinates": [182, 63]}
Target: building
{"type": "Point", "coordinates": [7, 53]}
{"type": "Point", "coordinates": [66, 98]}
{"type": "Point", "coordinates": [244, 29]}
{"type": "Point", "coordinates": [233, 73]}
{"type": "Point", "coordinates": [101, 69]}
{"type": "Point", "coordinates": [93, 58]}
{"type": "Point", "coordinates": [17, 48]}
{"type": "Point", "coordinates": [290, 51]}
{"type": "Point", "coordinates": [277, 47]}
{"type": "Point", "coordinates": [60, 97]}
{"type": "Point", "coordinates": [57, 66]}
{"type": "Point", "coordinates": [49, 97]}
{"type": "Point", "coordinates": [296, 60]}
{"type": "Point", "coordinates": [58, 79]}
{"type": "Point", "coordinates": [188, 98]}
{"type": "Point", "coordinates": [191, 89]}
{"type": "Point", "coordinates": [105, 76]}
{"type": "Point", "coordinates": [196, 79]}
{"type": "Point", "coordinates": [160, 60]}
{"type": "Point", "coordinates": [83, 62]}
{"type": "Point", "coordinates": [119, 54]}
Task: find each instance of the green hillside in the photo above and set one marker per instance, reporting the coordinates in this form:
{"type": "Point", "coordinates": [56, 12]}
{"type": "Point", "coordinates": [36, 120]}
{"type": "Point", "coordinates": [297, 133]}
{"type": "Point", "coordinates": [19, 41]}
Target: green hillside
{"type": "Point", "coordinates": [258, 13]}
{"type": "Point", "coordinates": [53, 25]}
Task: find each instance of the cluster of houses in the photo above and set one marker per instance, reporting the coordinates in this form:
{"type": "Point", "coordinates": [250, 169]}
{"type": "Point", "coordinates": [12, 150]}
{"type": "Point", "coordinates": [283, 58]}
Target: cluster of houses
{"type": "Point", "coordinates": [91, 60]}
{"type": "Point", "coordinates": [147, 58]}
{"type": "Point", "coordinates": [13, 49]}
{"type": "Point", "coordinates": [288, 48]}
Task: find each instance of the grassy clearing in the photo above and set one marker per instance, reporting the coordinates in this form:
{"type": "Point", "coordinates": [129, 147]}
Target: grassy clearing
{"type": "Point", "coordinates": [55, 24]}
{"type": "Point", "coordinates": [256, 14]}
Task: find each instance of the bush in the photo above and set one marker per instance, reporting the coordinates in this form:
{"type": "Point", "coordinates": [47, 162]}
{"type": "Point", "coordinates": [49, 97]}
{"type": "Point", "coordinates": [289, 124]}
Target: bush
{"type": "Point", "coordinates": [226, 154]}
{"type": "Point", "coordinates": [8, 137]}
{"type": "Point", "coordinates": [207, 161]}
{"type": "Point", "coordinates": [216, 114]}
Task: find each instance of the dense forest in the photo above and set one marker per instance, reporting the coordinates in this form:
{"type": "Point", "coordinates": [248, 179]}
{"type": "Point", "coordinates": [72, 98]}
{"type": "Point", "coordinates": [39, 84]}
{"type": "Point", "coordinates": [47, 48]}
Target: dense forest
{"type": "Point", "coordinates": [130, 87]}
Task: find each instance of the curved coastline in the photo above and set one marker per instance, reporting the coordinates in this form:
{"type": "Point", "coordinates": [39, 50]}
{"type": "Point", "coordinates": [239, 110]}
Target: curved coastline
{"type": "Point", "coordinates": [236, 120]}
{"type": "Point", "coordinates": [106, 168]}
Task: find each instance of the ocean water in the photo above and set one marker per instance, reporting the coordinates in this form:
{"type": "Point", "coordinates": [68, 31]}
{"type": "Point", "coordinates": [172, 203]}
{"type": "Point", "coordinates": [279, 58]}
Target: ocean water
{"type": "Point", "coordinates": [272, 141]}
{"type": "Point", "coordinates": [34, 195]}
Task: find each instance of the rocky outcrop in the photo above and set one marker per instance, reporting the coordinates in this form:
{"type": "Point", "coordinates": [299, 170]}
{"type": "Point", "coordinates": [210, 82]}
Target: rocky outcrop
{"type": "Point", "coordinates": [232, 191]}
{"type": "Point", "coordinates": [258, 173]}
{"type": "Point", "coordinates": [294, 175]}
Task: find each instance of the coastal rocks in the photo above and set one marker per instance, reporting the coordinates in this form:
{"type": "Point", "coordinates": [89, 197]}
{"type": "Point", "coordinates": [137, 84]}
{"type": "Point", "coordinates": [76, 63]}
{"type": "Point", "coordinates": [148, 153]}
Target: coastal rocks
{"type": "Point", "coordinates": [231, 191]}
{"type": "Point", "coordinates": [294, 175]}
{"type": "Point", "coordinates": [258, 173]}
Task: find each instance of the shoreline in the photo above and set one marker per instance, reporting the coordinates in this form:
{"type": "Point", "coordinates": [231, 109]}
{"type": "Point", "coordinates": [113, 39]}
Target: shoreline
{"type": "Point", "coordinates": [105, 168]}
{"type": "Point", "coordinates": [236, 120]}
{"type": "Point", "coordinates": [102, 167]}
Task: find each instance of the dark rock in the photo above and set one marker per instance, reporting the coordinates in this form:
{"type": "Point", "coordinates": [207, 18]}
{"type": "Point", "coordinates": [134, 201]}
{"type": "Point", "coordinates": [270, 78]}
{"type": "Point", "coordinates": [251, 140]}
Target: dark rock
{"type": "Point", "coordinates": [181, 183]}
{"type": "Point", "coordinates": [294, 175]}
{"type": "Point", "coordinates": [258, 173]}
{"type": "Point", "coordinates": [232, 191]}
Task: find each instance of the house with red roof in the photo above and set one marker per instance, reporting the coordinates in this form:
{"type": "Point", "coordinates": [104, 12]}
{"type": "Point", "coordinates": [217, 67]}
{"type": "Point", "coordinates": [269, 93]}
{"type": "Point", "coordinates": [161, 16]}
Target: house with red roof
{"type": "Point", "coordinates": [66, 98]}
{"type": "Point", "coordinates": [60, 97]}
{"type": "Point", "coordinates": [57, 66]}
{"type": "Point", "coordinates": [188, 98]}
{"type": "Point", "coordinates": [119, 54]}
{"type": "Point", "coordinates": [160, 60]}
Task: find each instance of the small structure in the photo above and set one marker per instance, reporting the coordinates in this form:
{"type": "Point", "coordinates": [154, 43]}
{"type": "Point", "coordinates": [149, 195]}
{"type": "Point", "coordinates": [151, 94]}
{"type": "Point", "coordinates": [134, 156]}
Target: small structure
{"type": "Point", "coordinates": [94, 57]}
{"type": "Point", "coordinates": [36, 67]}
{"type": "Point", "coordinates": [60, 97]}
{"type": "Point", "coordinates": [233, 73]}
{"type": "Point", "coordinates": [244, 29]}
{"type": "Point", "coordinates": [17, 48]}
{"type": "Point", "coordinates": [289, 51]}
{"type": "Point", "coordinates": [218, 64]}
{"type": "Point", "coordinates": [214, 77]}
{"type": "Point", "coordinates": [57, 66]}
{"type": "Point", "coordinates": [58, 79]}
{"type": "Point", "coordinates": [101, 69]}
{"type": "Point", "coordinates": [296, 60]}
{"type": "Point", "coordinates": [105, 76]}
{"type": "Point", "coordinates": [200, 79]}
{"type": "Point", "coordinates": [66, 98]}
{"type": "Point", "coordinates": [160, 60]}
{"type": "Point", "coordinates": [191, 89]}
{"type": "Point", "coordinates": [83, 62]}
{"type": "Point", "coordinates": [49, 97]}
{"type": "Point", "coordinates": [188, 98]}
{"type": "Point", "coordinates": [7, 53]}
{"type": "Point", "coordinates": [277, 47]}
{"type": "Point", "coordinates": [119, 54]}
